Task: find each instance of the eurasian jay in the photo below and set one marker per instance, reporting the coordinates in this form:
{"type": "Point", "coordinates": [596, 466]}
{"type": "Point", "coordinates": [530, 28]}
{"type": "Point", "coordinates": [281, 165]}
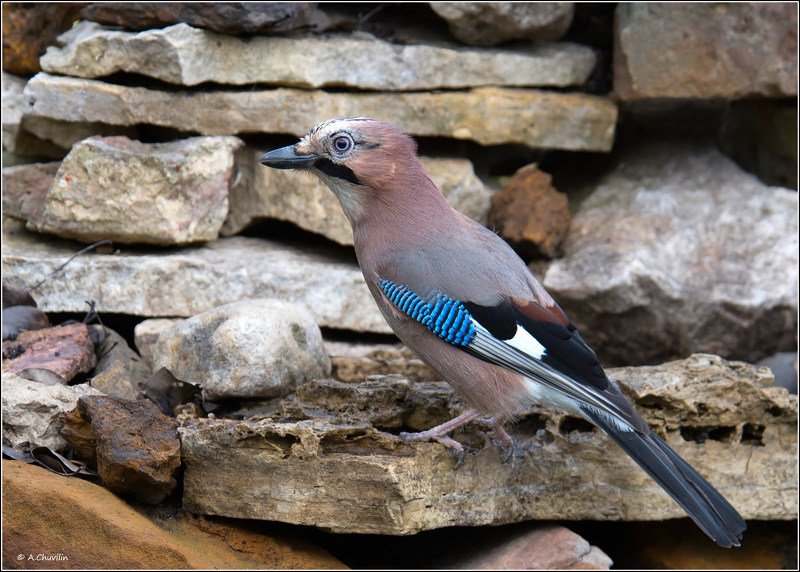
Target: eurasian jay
{"type": "Point", "coordinates": [462, 300]}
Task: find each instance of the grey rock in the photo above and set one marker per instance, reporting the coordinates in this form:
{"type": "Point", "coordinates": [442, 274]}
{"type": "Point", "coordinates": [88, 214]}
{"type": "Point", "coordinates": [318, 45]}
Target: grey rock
{"type": "Point", "coordinates": [12, 108]}
{"type": "Point", "coordinates": [190, 280]}
{"type": "Point", "coordinates": [130, 192]}
{"type": "Point", "coordinates": [25, 187]}
{"type": "Point", "coordinates": [145, 336]}
{"type": "Point", "coordinates": [31, 411]}
{"type": "Point", "coordinates": [189, 56]}
{"type": "Point", "coordinates": [784, 368]}
{"type": "Point", "coordinates": [490, 23]}
{"type": "Point", "coordinates": [705, 50]}
{"type": "Point", "coordinates": [250, 349]}
{"type": "Point", "coordinates": [725, 418]}
{"type": "Point", "coordinates": [309, 204]}
{"type": "Point", "coordinates": [119, 371]}
{"type": "Point", "coordinates": [487, 115]}
{"type": "Point", "coordinates": [701, 256]}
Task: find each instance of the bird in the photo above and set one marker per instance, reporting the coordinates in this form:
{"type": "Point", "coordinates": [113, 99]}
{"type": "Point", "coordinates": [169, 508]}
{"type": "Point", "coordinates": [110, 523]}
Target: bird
{"type": "Point", "coordinates": [466, 304]}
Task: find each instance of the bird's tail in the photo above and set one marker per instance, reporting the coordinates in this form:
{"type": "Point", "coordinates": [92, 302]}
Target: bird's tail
{"type": "Point", "coordinates": [707, 507]}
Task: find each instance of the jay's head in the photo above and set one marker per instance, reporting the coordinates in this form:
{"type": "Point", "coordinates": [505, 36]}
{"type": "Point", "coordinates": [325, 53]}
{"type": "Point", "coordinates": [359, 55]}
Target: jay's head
{"type": "Point", "coordinates": [362, 160]}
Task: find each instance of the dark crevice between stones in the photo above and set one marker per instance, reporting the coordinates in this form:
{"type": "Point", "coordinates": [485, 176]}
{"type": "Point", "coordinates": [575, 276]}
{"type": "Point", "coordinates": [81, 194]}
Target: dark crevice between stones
{"type": "Point", "coordinates": [570, 424]}
{"type": "Point", "coordinates": [752, 434]}
{"type": "Point", "coordinates": [723, 434]}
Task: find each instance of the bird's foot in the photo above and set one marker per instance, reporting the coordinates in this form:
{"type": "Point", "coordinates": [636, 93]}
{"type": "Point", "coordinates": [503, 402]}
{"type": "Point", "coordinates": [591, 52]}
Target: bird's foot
{"type": "Point", "coordinates": [500, 436]}
{"type": "Point", "coordinates": [440, 435]}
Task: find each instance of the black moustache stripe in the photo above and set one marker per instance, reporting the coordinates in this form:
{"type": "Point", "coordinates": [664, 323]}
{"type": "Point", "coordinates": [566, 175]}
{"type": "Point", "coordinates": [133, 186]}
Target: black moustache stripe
{"type": "Point", "coordinates": [339, 171]}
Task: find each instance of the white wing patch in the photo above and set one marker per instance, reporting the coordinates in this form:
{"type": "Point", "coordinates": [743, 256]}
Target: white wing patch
{"type": "Point", "coordinates": [526, 343]}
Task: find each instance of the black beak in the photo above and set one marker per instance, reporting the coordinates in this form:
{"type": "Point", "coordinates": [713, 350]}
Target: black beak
{"type": "Point", "coordinates": [287, 158]}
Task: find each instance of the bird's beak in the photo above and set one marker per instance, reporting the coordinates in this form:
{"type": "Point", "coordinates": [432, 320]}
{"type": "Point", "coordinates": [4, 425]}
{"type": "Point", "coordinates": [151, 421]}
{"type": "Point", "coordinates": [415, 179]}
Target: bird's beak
{"type": "Point", "coordinates": [287, 158]}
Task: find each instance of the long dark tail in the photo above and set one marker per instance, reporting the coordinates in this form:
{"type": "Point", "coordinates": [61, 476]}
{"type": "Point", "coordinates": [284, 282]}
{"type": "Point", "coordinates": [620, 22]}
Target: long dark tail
{"type": "Point", "coordinates": [693, 493]}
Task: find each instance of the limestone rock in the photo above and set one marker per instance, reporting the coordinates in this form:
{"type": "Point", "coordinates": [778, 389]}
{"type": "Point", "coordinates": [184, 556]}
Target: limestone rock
{"type": "Point", "coordinates": [784, 367]}
{"type": "Point", "coordinates": [725, 418]}
{"type": "Point", "coordinates": [12, 108]}
{"type": "Point", "coordinates": [131, 192]}
{"type": "Point", "coordinates": [489, 115]}
{"type": "Point", "coordinates": [530, 214]}
{"type": "Point", "coordinates": [355, 362]}
{"type": "Point", "coordinates": [31, 411]}
{"type": "Point", "coordinates": [145, 336]}
{"type": "Point", "coordinates": [41, 510]}
{"type": "Point", "coordinates": [120, 371]}
{"type": "Point", "coordinates": [309, 204]}
{"type": "Point", "coordinates": [25, 187]}
{"type": "Point", "coordinates": [28, 28]}
{"type": "Point", "coordinates": [537, 547]}
{"type": "Point", "coordinates": [700, 257]}
{"type": "Point", "coordinates": [489, 23]}
{"type": "Point", "coordinates": [226, 17]}
{"type": "Point", "coordinates": [188, 56]}
{"type": "Point", "coordinates": [137, 447]}
{"type": "Point", "coordinates": [251, 349]}
{"type": "Point", "coordinates": [66, 350]}
{"type": "Point", "coordinates": [194, 279]}
{"type": "Point", "coordinates": [705, 50]}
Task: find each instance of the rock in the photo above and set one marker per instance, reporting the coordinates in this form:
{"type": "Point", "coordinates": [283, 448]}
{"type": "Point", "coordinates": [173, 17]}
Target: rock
{"type": "Point", "coordinates": [145, 336]}
{"type": "Point", "coordinates": [531, 214]}
{"type": "Point", "coordinates": [700, 257]}
{"type": "Point", "coordinates": [14, 295]}
{"type": "Point", "coordinates": [28, 28]}
{"type": "Point", "coordinates": [12, 108]}
{"type": "Point", "coordinates": [784, 368]}
{"type": "Point", "coordinates": [229, 17]}
{"type": "Point", "coordinates": [355, 362]}
{"type": "Point", "coordinates": [489, 116]}
{"type": "Point", "coordinates": [25, 188]}
{"type": "Point", "coordinates": [31, 409]}
{"type": "Point", "coordinates": [194, 279]}
{"type": "Point", "coordinates": [189, 56]}
{"type": "Point", "coordinates": [131, 192]}
{"type": "Point", "coordinates": [120, 371]}
{"type": "Point", "coordinates": [490, 23]}
{"type": "Point", "coordinates": [309, 204]}
{"type": "Point", "coordinates": [137, 448]}
{"type": "Point", "coordinates": [18, 319]}
{"type": "Point", "coordinates": [538, 547]}
{"type": "Point", "coordinates": [251, 349]}
{"type": "Point", "coordinates": [37, 132]}
{"type": "Point", "coordinates": [40, 512]}
{"type": "Point", "coordinates": [724, 418]}
{"type": "Point", "coordinates": [66, 350]}
{"type": "Point", "coordinates": [705, 50]}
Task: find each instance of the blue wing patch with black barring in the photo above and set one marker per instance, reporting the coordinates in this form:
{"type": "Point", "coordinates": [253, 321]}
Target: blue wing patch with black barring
{"type": "Point", "coordinates": [447, 318]}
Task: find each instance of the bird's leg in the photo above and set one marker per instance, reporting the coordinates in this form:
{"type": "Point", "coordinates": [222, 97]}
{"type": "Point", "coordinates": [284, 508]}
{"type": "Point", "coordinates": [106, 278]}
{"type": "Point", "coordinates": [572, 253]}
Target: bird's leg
{"type": "Point", "coordinates": [501, 437]}
{"type": "Point", "coordinates": [439, 434]}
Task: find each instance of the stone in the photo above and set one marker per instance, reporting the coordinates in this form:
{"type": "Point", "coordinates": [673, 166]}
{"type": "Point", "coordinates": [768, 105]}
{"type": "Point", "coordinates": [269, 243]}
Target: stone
{"type": "Point", "coordinates": [41, 509]}
{"type": "Point", "coordinates": [35, 133]}
{"type": "Point", "coordinates": [18, 319]}
{"type": "Point", "coordinates": [14, 295]}
{"type": "Point", "coordinates": [487, 115]}
{"type": "Point", "coordinates": [12, 107]}
{"type": "Point", "coordinates": [356, 361]}
{"type": "Point", "coordinates": [130, 192]}
{"type": "Point", "coordinates": [31, 411]}
{"type": "Point", "coordinates": [700, 257]}
{"type": "Point", "coordinates": [28, 28]}
{"type": "Point", "coordinates": [228, 17]}
{"type": "Point", "coordinates": [784, 367]}
{"type": "Point", "coordinates": [145, 336]}
{"type": "Point", "coordinates": [725, 418]}
{"type": "Point", "coordinates": [137, 448]}
{"type": "Point", "coordinates": [194, 279]}
{"type": "Point", "coordinates": [189, 56]}
{"type": "Point", "coordinates": [25, 188]}
{"type": "Point", "coordinates": [705, 50]}
{"type": "Point", "coordinates": [66, 350]}
{"type": "Point", "coordinates": [120, 371]}
{"type": "Point", "coordinates": [308, 203]}
{"type": "Point", "coordinates": [530, 214]}
{"type": "Point", "coordinates": [490, 23]}
{"type": "Point", "coordinates": [537, 547]}
{"type": "Point", "coordinates": [251, 349]}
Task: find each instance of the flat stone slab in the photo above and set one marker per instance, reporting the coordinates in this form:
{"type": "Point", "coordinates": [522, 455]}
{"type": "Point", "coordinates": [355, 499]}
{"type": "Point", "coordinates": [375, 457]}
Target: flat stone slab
{"type": "Point", "coordinates": [188, 56]}
{"type": "Point", "coordinates": [339, 472]}
{"type": "Point", "coordinates": [488, 115]}
{"type": "Point", "coordinates": [187, 281]}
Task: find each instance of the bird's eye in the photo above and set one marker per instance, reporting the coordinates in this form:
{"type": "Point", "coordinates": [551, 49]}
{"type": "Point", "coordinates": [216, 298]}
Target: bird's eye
{"type": "Point", "coordinates": [342, 144]}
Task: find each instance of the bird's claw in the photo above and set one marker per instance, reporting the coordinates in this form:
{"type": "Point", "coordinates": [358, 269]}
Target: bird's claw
{"type": "Point", "coordinates": [455, 448]}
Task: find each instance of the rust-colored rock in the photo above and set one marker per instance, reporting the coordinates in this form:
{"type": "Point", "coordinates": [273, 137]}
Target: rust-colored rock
{"type": "Point", "coordinates": [531, 214]}
{"type": "Point", "coordinates": [28, 28]}
{"type": "Point", "coordinates": [137, 450]}
{"type": "Point", "coordinates": [66, 350]}
{"type": "Point", "coordinates": [80, 525]}
{"type": "Point", "coordinates": [25, 188]}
